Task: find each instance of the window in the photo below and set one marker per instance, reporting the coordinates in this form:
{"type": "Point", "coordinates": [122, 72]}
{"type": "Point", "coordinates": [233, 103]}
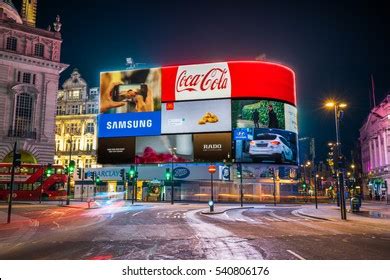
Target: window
{"type": "Point", "coordinates": [90, 128]}
{"type": "Point", "coordinates": [23, 114]}
{"type": "Point", "coordinates": [74, 94]}
{"type": "Point", "coordinates": [91, 109]}
{"type": "Point", "coordinates": [39, 50]}
{"type": "Point", "coordinates": [75, 109]}
{"type": "Point", "coordinates": [59, 110]}
{"type": "Point", "coordinates": [12, 43]}
{"type": "Point", "coordinates": [89, 145]}
{"type": "Point", "coordinates": [27, 78]}
{"type": "Point", "coordinates": [58, 143]}
{"type": "Point", "coordinates": [88, 163]}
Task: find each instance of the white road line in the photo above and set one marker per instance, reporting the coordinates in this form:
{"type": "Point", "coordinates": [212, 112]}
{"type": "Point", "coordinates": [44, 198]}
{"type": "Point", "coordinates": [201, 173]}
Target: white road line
{"type": "Point", "coordinates": [135, 214]}
{"type": "Point", "coordinates": [240, 220]}
{"type": "Point", "coordinates": [57, 224]}
{"type": "Point", "coordinates": [270, 219]}
{"type": "Point", "coordinates": [280, 217]}
{"type": "Point", "coordinates": [295, 255]}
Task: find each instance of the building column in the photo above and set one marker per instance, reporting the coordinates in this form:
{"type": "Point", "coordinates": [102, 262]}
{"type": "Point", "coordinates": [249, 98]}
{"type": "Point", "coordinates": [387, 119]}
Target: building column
{"type": "Point", "coordinates": [371, 162]}
{"type": "Point", "coordinates": [380, 156]}
{"type": "Point", "coordinates": [376, 152]}
{"type": "Point", "coordinates": [386, 156]}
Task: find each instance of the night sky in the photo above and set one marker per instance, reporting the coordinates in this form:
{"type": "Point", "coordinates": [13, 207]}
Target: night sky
{"type": "Point", "coordinates": [332, 47]}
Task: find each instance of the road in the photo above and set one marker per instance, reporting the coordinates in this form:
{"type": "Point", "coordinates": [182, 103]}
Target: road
{"type": "Point", "coordinates": [163, 231]}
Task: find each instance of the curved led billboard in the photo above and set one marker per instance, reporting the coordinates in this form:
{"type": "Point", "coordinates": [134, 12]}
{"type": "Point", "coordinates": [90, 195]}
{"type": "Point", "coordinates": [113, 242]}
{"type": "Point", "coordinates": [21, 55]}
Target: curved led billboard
{"type": "Point", "coordinates": [242, 111]}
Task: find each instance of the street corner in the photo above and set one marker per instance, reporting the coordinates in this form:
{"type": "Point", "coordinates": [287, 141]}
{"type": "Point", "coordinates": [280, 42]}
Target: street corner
{"type": "Point", "coordinates": [318, 214]}
{"type": "Point", "coordinates": [221, 211]}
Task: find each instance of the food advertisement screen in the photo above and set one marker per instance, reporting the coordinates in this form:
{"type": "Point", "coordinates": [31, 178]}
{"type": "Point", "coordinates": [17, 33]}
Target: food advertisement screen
{"type": "Point", "coordinates": [196, 116]}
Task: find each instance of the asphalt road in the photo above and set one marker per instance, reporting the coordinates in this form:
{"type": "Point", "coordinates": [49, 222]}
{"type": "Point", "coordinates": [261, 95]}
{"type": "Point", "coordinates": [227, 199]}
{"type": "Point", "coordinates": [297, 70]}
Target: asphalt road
{"type": "Point", "coordinates": [181, 231]}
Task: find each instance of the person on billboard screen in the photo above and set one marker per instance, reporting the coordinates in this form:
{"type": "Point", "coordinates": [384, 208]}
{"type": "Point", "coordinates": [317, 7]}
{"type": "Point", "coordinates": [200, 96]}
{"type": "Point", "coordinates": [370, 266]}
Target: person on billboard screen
{"type": "Point", "coordinates": [256, 118]}
{"type": "Point", "coordinates": [272, 118]}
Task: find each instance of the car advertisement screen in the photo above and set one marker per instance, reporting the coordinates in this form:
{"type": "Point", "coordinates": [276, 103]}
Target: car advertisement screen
{"type": "Point", "coordinates": [196, 116]}
{"type": "Point", "coordinates": [267, 145]}
{"type": "Point", "coordinates": [212, 147]}
{"type": "Point", "coordinates": [164, 149]}
{"type": "Point", "coordinates": [264, 114]}
{"type": "Point", "coordinates": [116, 150]}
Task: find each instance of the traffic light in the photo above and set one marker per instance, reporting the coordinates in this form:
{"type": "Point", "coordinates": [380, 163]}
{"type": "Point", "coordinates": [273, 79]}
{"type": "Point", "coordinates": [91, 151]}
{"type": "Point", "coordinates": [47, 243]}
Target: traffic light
{"type": "Point", "coordinates": [17, 160]}
{"type": "Point", "coordinates": [97, 179]}
{"type": "Point", "coordinates": [71, 166]}
{"type": "Point", "coordinates": [123, 174]}
{"type": "Point", "coordinates": [79, 170]}
{"type": "Point", "coordinates": [132, 172]}
{"type": "Point", "coordinates": [49, 170]}
{"type": "Point", "coordinates": [167, 174]}
{"type": "Point", "coordinates": [66, 171]}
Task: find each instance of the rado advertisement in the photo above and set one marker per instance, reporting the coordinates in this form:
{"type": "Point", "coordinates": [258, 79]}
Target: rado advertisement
{"type": "Point", "coordinates": [116, 150]}
{"type": "Point", "coordinates": [212, 147]}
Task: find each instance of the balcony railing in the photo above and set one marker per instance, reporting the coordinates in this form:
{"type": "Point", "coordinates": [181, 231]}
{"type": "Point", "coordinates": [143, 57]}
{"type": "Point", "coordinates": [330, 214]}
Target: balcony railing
{"type": "Point", "coordinates": [17, 133]}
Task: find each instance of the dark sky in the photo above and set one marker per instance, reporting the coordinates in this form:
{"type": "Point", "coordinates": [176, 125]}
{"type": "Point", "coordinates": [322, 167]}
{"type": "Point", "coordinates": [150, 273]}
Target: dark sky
{"type": "Point", "coordinates": [333, 47]}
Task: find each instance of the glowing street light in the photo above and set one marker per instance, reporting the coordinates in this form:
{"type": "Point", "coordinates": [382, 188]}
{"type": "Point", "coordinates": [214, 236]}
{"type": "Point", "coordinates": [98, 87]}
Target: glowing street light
{"type": "Point", "coordinates": [338, 110]}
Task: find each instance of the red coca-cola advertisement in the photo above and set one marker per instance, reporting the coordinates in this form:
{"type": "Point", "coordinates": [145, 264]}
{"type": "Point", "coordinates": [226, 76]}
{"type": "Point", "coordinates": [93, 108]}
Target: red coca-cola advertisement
{"type": "Point", "coordinates": [236, 80]}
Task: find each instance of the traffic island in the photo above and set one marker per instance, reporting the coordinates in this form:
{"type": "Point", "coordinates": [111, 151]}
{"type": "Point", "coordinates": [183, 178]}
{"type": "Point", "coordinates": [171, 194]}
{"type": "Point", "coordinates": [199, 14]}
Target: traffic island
{"type": "Point", "coordinates": [223, 211]}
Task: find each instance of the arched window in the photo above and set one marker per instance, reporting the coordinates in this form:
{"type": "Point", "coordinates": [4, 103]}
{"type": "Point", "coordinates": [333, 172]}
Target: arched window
{"type": "Point", "coordinates": [39, 50]}
{"type": "Point", "coordinates": [12, 43]}
{"type": "Point", "coordinates": [23, 115]}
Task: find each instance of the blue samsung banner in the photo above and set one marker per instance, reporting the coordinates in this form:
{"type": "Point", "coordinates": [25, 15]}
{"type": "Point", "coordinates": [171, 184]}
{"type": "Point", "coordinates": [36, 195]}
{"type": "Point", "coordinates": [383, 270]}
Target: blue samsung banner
{"type": "Point", "coordinates": [129, 124]}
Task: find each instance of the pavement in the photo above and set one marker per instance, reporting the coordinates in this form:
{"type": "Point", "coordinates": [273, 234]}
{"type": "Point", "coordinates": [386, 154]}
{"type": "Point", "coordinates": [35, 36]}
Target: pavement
{"type": "Point", "coordinates": [369, 210]}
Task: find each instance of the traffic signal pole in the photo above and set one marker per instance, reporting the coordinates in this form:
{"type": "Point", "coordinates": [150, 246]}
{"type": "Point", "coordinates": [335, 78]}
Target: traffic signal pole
{"type": "Point", "coordinates": [68, 184]}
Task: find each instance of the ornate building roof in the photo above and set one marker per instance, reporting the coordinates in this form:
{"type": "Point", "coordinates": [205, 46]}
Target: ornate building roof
{"type": "Point", "coordinates": [75, 81]}
{"type": "Point", "coordinates": [10, 10]}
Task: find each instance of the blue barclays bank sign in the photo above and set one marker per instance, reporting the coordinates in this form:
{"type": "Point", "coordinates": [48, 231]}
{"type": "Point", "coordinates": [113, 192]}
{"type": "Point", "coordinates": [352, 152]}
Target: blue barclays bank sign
{"type": "Point", "coordinates": [129, 124]}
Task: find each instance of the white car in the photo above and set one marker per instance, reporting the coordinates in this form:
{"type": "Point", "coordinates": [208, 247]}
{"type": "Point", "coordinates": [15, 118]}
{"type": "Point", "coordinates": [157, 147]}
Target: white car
{"type": "Point", "coordinates": [269, 146]}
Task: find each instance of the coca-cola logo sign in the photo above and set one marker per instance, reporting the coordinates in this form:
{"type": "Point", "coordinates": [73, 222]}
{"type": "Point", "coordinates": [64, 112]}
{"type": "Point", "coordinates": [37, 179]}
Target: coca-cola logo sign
{"type": "Point", "coordinates": [206, 81]}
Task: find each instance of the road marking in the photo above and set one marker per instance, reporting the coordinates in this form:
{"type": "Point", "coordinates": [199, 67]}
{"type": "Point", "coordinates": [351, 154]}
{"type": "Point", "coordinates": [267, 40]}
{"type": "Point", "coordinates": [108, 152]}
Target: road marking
{"type": "Point", "coordinates": [54, 222]}
{"type": "Point", "coordinates": [296, 255]}
{"type": "Point", "coordinates": [270, 219]}
{"type": "Point", "coordinates": [135, 214]}
{"type": "Point", "coordinates": [280, 217]}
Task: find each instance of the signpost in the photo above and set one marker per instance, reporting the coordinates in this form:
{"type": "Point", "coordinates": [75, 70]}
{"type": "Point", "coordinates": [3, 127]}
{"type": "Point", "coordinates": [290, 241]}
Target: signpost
{"type": "Point", "coordinates": [212, 169]}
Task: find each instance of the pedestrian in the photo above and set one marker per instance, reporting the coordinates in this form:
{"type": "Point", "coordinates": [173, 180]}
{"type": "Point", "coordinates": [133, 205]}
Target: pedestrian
{"type": "Point", "coordinates": [272, 118]}
{"type": "Point", "coordinates": [256, 118]}
{"type": "Point", "coordinates": [370, 194]}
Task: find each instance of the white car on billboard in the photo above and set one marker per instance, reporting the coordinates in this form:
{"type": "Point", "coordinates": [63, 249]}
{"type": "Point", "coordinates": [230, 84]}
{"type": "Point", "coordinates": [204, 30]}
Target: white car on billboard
{"type": "Point", "coordinates": [270, 146]}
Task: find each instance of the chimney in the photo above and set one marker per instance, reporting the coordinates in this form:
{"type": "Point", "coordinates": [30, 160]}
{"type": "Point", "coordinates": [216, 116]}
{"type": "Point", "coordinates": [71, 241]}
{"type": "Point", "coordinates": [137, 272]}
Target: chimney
{"type": "Point", "coordinates": [29, 12]}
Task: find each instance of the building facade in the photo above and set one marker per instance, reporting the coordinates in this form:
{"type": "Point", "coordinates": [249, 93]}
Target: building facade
{"type": "Point", "coordinates": [306, 149]}
{"type": "Point", "coordinates": [29, 73]}
{"type": "Point", "coordinates": [375, 148]}
{"type": "Point", "coordinates": [75, 130]}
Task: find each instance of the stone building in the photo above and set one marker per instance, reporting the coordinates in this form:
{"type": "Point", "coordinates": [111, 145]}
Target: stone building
{"type": "Point", "coordinates": [29, 73]}
{"type": "Point", "coordinates": [375, 148]}
{"type": "Point", "coordinates": [76, 128]}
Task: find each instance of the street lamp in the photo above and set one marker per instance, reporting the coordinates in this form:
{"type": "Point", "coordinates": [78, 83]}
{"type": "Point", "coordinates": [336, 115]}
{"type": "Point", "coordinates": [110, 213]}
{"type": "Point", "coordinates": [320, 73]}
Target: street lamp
{"type": "Point", "coordinates": [70, 159]}
{"type": "Point", "coordinates": [338, 110]}
{"type": "Point", "coordinates": [315, 189]}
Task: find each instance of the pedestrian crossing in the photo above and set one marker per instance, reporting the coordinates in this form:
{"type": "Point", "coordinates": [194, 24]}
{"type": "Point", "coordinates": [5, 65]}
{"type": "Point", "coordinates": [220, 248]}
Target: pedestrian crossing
{"type": "Point", "coordinates": [171, 215]}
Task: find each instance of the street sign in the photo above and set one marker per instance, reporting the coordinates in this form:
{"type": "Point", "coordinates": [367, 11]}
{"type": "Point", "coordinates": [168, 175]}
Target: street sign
{"type": "Point", "coordinates": [212, 169]}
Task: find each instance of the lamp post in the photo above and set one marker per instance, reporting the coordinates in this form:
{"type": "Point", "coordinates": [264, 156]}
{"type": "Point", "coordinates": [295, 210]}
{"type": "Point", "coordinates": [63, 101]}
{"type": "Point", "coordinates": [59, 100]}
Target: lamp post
{"type": "Point", "coordinates": [315, 189]}
{"type": "Point", "coordinates": [338, 111]}
{"type": "Point", "coordinates": [212, 169]}
{"type": "Point", "coordinates": [173, 154]}
{"type": "Point", "coordinates": [70, 158]}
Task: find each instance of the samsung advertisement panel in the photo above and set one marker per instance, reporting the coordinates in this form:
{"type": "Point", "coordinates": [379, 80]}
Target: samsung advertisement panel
{"type": "Point", "coordinates": [268, 145]}
{"type": "Point", "coordinates": [196, 116]}
{"type": "Point", "coordinates": [116, 150]}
